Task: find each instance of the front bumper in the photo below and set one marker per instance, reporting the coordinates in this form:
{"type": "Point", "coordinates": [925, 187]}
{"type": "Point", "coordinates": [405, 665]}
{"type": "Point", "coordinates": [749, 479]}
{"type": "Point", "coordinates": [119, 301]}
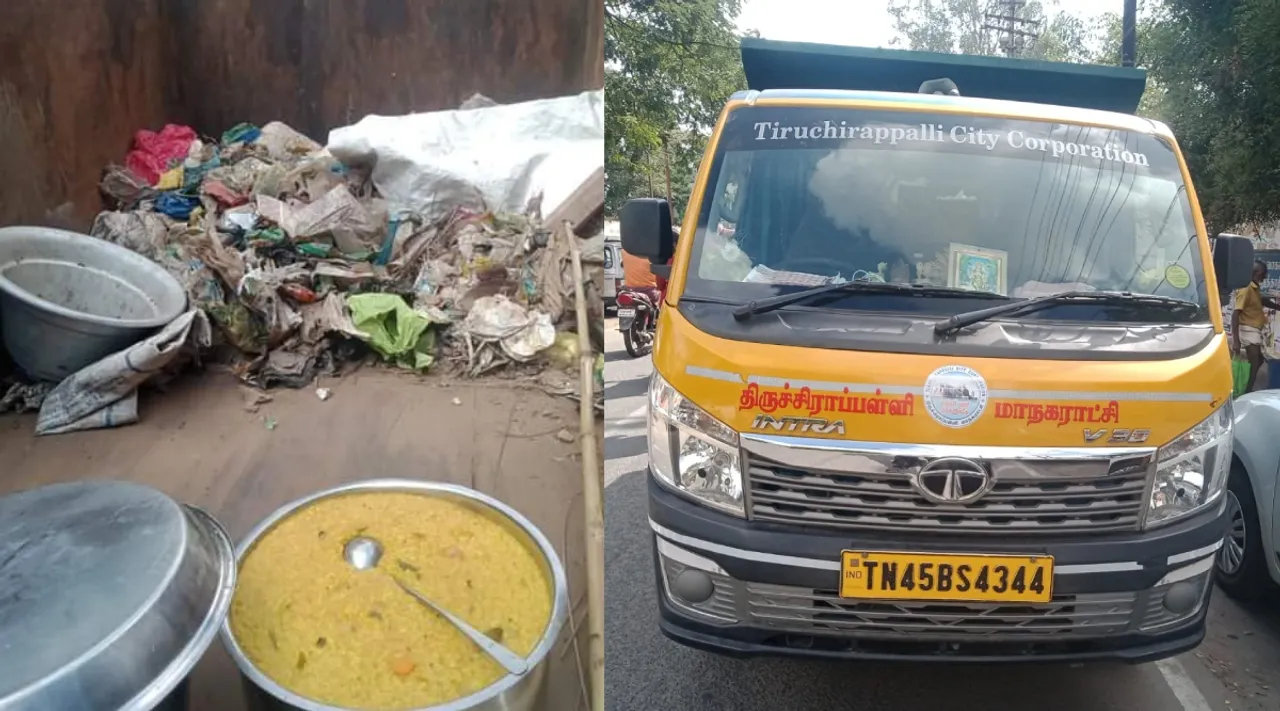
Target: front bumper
{"type": "Point", "coordinates": [774, 593]}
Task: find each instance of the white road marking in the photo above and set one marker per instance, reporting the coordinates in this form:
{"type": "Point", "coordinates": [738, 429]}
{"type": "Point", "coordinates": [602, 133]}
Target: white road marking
{"type": "Point", "coordinates": [626, 418]}
{"type": "Point", "coordinates": [626, 465]}
{"type": "Point", "coordinates": [1175, 675]}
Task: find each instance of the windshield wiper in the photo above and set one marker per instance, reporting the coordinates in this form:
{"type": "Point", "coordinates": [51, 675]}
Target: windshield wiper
{"type": "Point", "coordinates": [752, 308]}
{"type": "Point", "coordinates": [1040, 303]}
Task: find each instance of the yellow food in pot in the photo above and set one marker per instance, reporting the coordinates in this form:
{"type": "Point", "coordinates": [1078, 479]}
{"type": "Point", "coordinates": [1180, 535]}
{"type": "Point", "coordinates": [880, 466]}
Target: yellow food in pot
{"type": "Point", "coordinates": [354, 639]}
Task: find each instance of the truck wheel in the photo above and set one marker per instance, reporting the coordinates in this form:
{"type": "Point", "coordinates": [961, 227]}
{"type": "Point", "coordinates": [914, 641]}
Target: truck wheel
{"type": "Point", "coordinates": [1241, 566]}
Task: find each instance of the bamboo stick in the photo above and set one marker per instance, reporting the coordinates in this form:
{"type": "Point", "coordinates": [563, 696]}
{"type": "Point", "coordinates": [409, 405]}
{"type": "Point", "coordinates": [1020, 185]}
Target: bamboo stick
{"type": "Point", "coordinates": [592, 481]}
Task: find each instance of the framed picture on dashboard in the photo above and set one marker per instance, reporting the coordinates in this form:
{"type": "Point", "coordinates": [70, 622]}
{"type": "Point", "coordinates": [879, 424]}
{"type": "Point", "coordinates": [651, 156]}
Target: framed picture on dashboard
{"type": "Point", "coordinates": [978, 269]}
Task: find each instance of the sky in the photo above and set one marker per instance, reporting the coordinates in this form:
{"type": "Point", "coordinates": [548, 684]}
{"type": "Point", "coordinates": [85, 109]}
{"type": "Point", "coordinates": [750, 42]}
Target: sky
{"type": "Point", "coordinates": [856, 22]}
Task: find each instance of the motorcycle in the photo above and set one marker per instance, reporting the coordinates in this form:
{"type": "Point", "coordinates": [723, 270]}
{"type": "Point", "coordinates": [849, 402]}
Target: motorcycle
{"type": "Point", "coordinates": [637, 319]}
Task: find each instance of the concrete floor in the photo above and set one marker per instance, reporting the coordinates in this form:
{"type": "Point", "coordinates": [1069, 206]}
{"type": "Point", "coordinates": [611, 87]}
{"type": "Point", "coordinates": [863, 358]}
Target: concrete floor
{"type": "Point", "coordinates": [199, 443]}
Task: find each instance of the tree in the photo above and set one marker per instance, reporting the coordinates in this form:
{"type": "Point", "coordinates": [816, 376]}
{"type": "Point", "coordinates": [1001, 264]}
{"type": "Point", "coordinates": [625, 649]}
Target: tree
{"type": "Point", "coordinates": [1154, 44]}
{"type": "Point", "coordinates": [962, 27]}
{"type": "Point", "coordinates": [669, 67]}
{"type": "Point", "coordinates": [1065, 38]}
{"type": "Point", "coordinates": [1215, 65]}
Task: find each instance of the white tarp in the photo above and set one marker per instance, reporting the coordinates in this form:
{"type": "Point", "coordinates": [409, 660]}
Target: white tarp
{"type": "Point", "coordinates": [497, 157]}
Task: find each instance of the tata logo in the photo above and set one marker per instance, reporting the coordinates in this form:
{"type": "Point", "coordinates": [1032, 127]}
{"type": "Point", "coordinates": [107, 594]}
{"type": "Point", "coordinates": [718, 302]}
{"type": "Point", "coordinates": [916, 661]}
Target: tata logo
{"type": "Point", "coordinates": [953, 480]}
{"type": "Point", "coordinates": [813, 425]}
{"type": "Point", "coordinates": [1116, 436]}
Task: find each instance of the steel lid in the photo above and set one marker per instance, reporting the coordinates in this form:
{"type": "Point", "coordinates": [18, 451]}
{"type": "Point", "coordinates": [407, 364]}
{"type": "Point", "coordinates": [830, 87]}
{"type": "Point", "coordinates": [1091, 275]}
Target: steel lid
{"type": "Point", "coordinates": [109, 594]}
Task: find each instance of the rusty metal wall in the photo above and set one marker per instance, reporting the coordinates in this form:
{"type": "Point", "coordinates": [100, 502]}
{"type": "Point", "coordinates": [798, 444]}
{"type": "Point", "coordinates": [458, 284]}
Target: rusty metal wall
{"type": "Point", "coordinates": [318, 64]}
{"type": "Point", "coordinates": [77, 77]}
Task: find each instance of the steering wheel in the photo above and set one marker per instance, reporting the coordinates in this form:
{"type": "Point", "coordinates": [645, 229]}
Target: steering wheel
{"type": "Point", "coordinates": [824, 266]}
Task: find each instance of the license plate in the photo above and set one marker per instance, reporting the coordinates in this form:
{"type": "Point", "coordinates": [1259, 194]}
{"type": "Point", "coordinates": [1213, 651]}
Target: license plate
{"type": "Point", "coordinates": [626, 313]}
{"type": "Point", "coordinates": [870, 575]}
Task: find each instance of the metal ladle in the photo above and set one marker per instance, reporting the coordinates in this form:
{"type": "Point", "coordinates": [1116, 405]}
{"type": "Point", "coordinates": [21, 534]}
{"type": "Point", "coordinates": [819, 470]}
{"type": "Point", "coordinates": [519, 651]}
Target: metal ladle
{"type": "Point", "coordinates": [363, 553]}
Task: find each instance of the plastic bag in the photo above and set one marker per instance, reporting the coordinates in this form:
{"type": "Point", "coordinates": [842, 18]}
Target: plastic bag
{"type": "Point", "coordinates": [153, 152]}
{"type": "Point", "coordinates": [1239, 377]}
{"type": "Point", "coordinates": [394, 330]}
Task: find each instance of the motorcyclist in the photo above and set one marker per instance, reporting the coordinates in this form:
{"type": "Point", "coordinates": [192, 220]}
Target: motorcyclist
{"type": "Point", "coordinates": [637, 276]}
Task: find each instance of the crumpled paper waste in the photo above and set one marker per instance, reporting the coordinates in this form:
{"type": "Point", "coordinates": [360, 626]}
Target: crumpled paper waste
{"type": "Point", "coordinates": [521, 333]}
{"type": "Point", "coordinates": [105, 394]}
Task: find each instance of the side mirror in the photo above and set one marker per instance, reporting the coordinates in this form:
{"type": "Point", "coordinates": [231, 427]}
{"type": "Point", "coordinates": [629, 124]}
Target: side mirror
{"type": "Point", "coordinates": [645, 224]}
{"type": "Point", "coordinates": [1233, 261]}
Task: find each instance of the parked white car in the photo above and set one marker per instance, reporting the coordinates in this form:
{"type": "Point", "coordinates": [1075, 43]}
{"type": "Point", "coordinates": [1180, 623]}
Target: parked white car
{"type": "Point", "coordinates": [1248, 565]}
{"type": "Point", "coordinates": [613, 272]}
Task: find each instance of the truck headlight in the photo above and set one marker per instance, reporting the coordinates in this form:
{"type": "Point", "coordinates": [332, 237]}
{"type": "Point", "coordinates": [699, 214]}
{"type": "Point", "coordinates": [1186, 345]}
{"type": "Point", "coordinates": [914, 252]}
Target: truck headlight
{"type": "Point", "coordinates": [692, 452]}
{"type": "Point", "coordinates": [1191, 471]}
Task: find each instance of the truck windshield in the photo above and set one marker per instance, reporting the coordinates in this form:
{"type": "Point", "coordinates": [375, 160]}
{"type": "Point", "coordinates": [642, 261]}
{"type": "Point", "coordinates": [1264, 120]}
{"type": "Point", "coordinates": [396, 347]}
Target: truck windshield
{"type": "Point", "coordinates": [800, 196]}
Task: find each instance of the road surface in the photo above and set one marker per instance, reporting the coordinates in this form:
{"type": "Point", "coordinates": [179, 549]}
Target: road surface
{"type": "Point", "coordinates": [1236, 669]}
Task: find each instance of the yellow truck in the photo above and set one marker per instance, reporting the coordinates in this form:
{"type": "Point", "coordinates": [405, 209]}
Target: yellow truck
{"type": "Point", "coordinates": [941, 372]}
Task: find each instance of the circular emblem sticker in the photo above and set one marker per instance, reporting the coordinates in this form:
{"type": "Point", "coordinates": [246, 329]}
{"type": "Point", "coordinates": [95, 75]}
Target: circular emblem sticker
{"type": "Point", "coordinates": [955, 396]}
{"type": "Point", "coordinates": [1177, 276]}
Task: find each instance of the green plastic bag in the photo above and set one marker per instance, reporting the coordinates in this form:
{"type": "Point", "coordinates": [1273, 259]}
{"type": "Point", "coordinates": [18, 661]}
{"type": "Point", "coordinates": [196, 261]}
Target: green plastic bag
{"type": "Point", "coordinates": [1239, 376]}
{"type": "Point", "coordinates": [397, 332]}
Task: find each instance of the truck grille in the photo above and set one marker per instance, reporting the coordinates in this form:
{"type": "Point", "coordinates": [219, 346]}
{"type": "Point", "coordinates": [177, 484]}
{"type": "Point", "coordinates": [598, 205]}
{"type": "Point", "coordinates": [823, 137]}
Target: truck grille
{"type": "Point", "coordinates": [865, 491]}
{"type": "Point", "coordinates": [819, 611]}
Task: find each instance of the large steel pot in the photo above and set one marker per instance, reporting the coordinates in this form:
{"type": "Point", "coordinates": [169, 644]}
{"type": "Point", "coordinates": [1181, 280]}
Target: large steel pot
{"type": "Point", "coordinates": [510, 693]}
{"type": "Point", "coordinates": [68, 300]}
{"type": "Point", "coordinates": [110, 592]}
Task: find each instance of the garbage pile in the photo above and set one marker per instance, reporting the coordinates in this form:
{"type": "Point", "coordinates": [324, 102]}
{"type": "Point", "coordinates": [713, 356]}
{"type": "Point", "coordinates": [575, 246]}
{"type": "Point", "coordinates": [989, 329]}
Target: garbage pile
{"type": "Point", "coordinates": [303, 268]}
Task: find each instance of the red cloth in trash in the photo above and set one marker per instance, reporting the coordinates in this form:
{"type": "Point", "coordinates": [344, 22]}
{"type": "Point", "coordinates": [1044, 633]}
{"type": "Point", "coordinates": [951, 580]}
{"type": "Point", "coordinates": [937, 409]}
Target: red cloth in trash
{"type": "Point", "coordinates": [153, 152]}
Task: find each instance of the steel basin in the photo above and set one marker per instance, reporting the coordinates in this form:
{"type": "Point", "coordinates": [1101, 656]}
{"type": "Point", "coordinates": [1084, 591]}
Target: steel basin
{"type": "Point", "coordinates": [510, 693]}
{"type": "Point", "coordinates": [111, 594]}
{"type": "Point", "coordinates": [67, 299]}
